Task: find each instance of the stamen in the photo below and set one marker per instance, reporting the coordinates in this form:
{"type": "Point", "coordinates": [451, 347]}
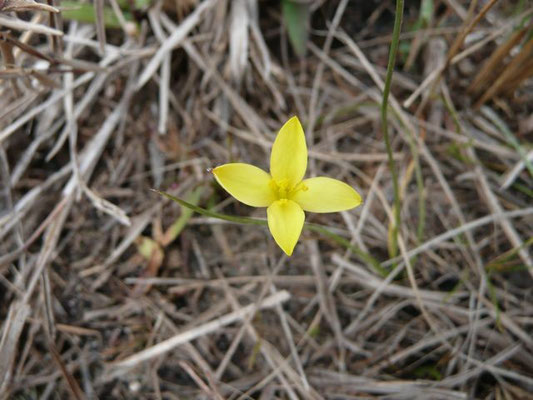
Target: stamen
{"type": "Point", "coordinates": [301, 186]}
{"type": "Point", "coordinates": [284, 190]}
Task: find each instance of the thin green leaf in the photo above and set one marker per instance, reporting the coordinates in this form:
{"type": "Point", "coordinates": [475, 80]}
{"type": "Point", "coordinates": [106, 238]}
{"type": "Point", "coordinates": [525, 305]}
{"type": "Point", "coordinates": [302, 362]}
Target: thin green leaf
{"type": "Point", "coordinates": [426, 12]}
{"type": "Point", "coordinates": [212, 214]}
{"type": "Point", "coordinates": [296, 16]}
{"type": "Point", "coordinates": [186, 214]}
{"type": "Point", "coordinates": [346, 243]}
{"type": "Point", "coordinates": [509, 136]}
{"type": "Point", "coordinates": [256, 221]}
{"type": "Point", "coordinates": [84, 12]}
{"type": "Point", "coordinates": [385, 124]}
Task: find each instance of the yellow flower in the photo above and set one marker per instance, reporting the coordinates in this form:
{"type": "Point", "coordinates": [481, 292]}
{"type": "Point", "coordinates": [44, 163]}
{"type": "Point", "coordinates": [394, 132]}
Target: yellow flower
{"type": "Point", "coordinates": [283, 191]}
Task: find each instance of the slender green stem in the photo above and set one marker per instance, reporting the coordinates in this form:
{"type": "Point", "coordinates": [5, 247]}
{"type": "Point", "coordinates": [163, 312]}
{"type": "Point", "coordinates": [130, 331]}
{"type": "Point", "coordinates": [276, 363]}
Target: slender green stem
{"type": "Point", "coordinates": [256, 221]}
{"type": "Point", "coordinates": [384, 109]}
{"type": "Point", "coordinates": [346, 243]}
{"type": "Point", "coordinates": [213, 214]}
{"type": "Point", "coordinates": [420, 187]}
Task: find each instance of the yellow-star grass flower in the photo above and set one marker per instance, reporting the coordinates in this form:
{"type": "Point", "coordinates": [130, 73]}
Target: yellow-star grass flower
{"type": "Point", "coordinates": [284, 191]}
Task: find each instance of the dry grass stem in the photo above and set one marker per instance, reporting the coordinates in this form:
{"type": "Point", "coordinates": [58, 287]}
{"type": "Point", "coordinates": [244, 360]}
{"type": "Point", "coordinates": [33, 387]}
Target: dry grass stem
{"type": "Point", "coordinates": [110, 291]}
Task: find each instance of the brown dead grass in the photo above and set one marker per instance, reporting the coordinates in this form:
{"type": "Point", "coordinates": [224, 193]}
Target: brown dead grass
{"type": "Point", "coordinates": [108, 291]}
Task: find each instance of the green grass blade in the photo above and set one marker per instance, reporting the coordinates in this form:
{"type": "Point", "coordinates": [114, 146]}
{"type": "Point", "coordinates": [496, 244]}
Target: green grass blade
{"type": "Point", "coordinates": [296, 16]}
{"type": "Point", "coordinates": [255, 221]}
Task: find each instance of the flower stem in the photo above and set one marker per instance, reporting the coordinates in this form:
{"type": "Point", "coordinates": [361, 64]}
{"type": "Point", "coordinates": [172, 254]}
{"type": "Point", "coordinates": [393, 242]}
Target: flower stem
{"type": "Point", "coordinates": [213, 214]}
{"type": "Point", "coordinates": [255, 221]}
{"type": "Point", "coordinates": [384, 109]}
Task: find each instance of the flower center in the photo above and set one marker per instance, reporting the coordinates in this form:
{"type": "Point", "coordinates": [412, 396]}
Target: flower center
{"type": "Point", "coordinates": [284, 190]}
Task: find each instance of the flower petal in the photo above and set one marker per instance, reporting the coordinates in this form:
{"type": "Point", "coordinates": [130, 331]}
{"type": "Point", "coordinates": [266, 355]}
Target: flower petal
{"type": "Point", "coordinates": [285, 221]}
{"type": "Point", "coordinates": [248, 184]}
{"type": "Point", "coordinates": [326, 195]}
{"type": "Point", "coordinates": [288, 160]}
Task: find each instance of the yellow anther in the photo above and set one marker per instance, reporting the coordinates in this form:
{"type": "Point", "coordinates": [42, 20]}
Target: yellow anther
{"type": "Point", "coordinates": [283, 188]}
{"type": "Point", "coordinates": [301, 187]}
